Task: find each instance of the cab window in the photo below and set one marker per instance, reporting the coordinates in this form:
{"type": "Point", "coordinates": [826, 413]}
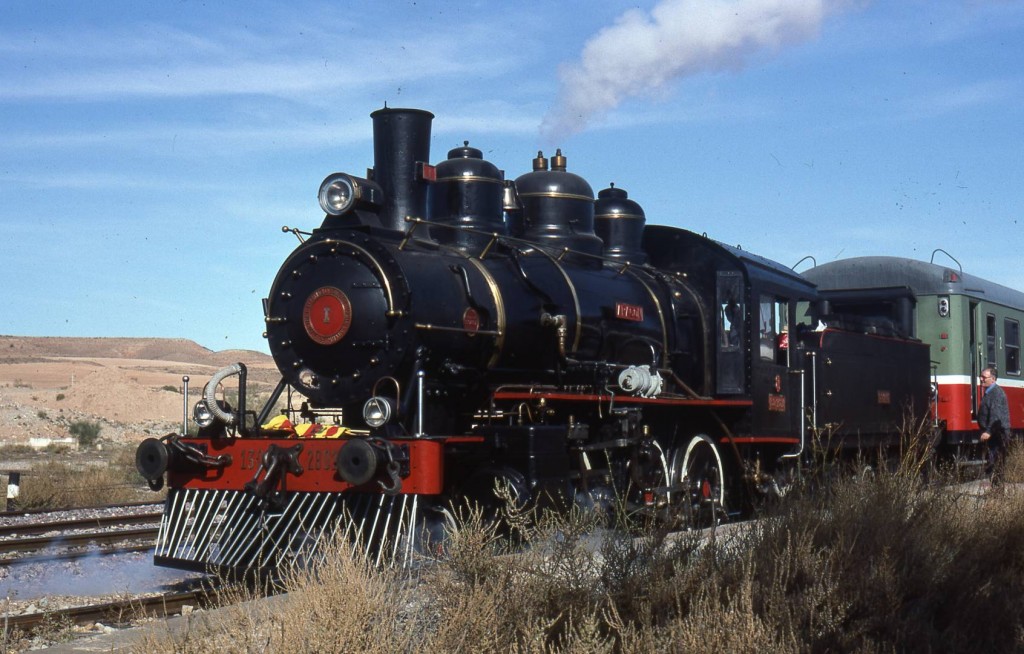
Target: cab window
{"type": "Point", "coordinates": [730, 311]}
{"type": "Point", "coordinates": [773, 328]}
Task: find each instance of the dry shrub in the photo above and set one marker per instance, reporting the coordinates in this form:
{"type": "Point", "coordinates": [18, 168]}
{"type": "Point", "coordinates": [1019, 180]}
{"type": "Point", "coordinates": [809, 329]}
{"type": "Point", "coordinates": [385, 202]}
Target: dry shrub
{"type": "Point", "coordinates": [55, 485]}
{"type": "Point", "coordinates": [878, 563]}
{"type": "Point", "coordinates": [342, 604]}
{"type": "Point", "coordinates": [14, 450]}
{"type": "Point", "coordinates": [52, 631]}
{"type": "Point", "coordinates": [122, 465]}
{"type": "Point", "coordinates": [522, 601]}
{"type": "Point", "coordinates": [892, 563]}
{"type": "Point", "coordinates": [1013, 470]}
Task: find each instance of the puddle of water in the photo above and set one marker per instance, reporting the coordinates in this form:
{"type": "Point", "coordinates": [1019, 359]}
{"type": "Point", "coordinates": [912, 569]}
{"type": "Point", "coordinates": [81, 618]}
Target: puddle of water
{"type": "Point", "coordinates": [91, 575]}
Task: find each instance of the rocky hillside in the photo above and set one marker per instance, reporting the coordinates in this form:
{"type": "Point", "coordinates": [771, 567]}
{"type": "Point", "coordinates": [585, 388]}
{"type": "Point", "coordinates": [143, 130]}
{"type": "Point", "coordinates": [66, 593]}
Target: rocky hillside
{"type": "Point", "coordinates": [132, 387]}
{"type": "Point", "coordinates": [13, 348]}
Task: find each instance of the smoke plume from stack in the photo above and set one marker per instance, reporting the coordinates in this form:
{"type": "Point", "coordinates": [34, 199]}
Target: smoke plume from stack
{"type": "Point", "coordinates": [643, 52]}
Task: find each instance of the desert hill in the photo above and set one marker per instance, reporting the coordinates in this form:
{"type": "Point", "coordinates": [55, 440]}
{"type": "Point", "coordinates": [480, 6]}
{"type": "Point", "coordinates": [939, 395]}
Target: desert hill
{"type": "Point", "coordinates": [132, 387]}
{"type": "Point", "coordinates": [150, 349]}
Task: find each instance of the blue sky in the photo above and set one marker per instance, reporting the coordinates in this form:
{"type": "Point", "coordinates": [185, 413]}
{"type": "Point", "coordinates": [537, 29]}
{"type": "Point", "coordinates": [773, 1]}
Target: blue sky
{"type": "Point", "coordinates": [151, 152]}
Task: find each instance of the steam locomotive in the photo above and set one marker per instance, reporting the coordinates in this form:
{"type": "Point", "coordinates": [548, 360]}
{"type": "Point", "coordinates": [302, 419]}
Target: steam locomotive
{"type": "Point", "coordinates": [446, 333]}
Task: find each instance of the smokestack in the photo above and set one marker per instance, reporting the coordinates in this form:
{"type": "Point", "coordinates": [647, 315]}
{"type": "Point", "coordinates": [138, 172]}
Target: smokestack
{"type": "Point", "coordinates": [401, 138]}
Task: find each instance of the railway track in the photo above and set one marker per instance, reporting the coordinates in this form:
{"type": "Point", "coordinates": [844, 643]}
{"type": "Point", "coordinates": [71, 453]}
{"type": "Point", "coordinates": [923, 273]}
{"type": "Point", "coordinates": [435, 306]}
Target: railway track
{"type": "Point", "coordinates": [73, 555]}
{"type": "Point", "coordinates": [29, 541]}
{"type": "Point", "coordinates": [65, 539]}
{"type": "Point", "coordinates": [97, 507]}
{"type": "Point", "coordinates": [116, 612]}
{"type": "Point", "coordinates": [97, 522]}
{"type": "Point", "coordinates": [77, 539]}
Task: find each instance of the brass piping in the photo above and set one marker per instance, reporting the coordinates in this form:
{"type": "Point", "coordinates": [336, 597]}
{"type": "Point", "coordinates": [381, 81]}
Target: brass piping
{"type": "Point", "coordinates": [429, 327]}
{"type": "Point", "coordinates": [385, 282]}
{"type": "Point", "coordinates": [487, 248]}
{"type": "Point", "coordinates": [575, 300]}
{"type": "Point", "coordinates": [515, 239]}
{"type": "Point", "coordinates": [470, 178]}
{"type": "Point", "coordinates": [500, 317]}
{"type": "Point", "coordinates": [679, 382]}
{"type": "Point", "coordinates": [560, 196]}
{"type": "Point", "coordinates": [416, 222]}
{"type": "Point", "coordinates": [661, 316]}
{"type": "Point", "coordinates": [561, 329]}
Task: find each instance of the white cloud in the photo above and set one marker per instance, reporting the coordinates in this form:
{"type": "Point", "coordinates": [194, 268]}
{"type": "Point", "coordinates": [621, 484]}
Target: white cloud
{"type": "Point", "coordinates": [296, 79]}
{"type": "Point", "coordinates": [643, 52]}
{"type": "Point", "coordinates": [962, 97]}
{"type": "Point", "coordinates": [290, 61]}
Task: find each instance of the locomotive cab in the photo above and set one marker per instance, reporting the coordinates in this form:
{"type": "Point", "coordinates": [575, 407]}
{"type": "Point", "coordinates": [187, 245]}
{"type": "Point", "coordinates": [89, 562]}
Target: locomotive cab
{"type": "Point", "coordinates": [750, 307]}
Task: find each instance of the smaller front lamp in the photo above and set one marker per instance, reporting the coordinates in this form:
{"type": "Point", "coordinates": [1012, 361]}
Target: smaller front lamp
{"type": "Point", "coordinates": [377, 411]}
{"type": "Point", "coordinates": [202, 414]}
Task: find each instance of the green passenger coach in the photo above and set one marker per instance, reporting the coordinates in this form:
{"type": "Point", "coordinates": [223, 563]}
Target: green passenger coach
{"type": "Point", "coordinates": [969, 322]}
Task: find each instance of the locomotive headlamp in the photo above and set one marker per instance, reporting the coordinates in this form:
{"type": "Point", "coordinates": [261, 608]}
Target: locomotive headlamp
{"type": "Point", "coordinates": [202, 414]}
{"type": "Point", "coordinates": [377, 411]}
{"type": "Point", "coordinates": [337, 194]}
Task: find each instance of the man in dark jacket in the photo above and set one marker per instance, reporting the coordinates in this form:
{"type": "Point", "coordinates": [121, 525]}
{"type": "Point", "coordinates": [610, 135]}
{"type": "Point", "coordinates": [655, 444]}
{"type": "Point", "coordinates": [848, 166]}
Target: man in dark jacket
{"type": "Point", "coordinates": [994, 420]}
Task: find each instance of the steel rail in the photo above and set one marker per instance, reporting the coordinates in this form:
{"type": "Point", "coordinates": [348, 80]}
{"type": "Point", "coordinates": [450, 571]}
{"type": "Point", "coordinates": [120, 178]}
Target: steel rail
{"type": "Point", "coordinates": [77, 540]}
{"type": "Point", "coordinates": [81, 523]}
{"type": "Point", "coordinates": [117, 611]}
{"type": "Point", "coordinates": [93, 507]}
{"type": "Point", "coordinates": [74, 555]}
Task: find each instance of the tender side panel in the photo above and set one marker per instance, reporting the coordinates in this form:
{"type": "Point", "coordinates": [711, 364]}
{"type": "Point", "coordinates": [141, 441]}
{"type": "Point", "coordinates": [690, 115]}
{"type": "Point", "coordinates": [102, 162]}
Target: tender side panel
{"type": "Point", "coordinates": [869, 384]}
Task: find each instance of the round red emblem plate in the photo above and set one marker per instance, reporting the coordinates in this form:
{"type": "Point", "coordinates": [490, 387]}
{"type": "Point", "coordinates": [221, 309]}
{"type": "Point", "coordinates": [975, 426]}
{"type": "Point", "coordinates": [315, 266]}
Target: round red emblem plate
{"type": "Point", "coordinates": [471, 320]}
{"type": "Point", "coordinates": [327, 315]}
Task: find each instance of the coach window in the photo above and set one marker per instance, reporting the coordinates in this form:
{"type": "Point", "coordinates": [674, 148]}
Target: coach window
{"type": "Point", "coordinates": [990, 338]}
{"type": "Point", "coordinates": [1012, 336]}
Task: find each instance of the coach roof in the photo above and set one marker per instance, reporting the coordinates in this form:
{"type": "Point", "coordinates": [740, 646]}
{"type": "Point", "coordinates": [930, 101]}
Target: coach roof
{"type": "Point", "coordinates": [921, 277]}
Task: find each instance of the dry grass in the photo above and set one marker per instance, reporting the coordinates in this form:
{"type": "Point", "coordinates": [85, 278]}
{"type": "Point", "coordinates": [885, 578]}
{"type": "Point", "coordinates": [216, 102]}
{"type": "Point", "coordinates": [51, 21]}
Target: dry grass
{"type": "Point", "coordinates": [55, 484]}
{"type": "Point", "coordinates": [879, 563]}
{"type": "Point", "coordinates": [53, 630]}
{"type": "Point", "coordinates": [1013, 470]}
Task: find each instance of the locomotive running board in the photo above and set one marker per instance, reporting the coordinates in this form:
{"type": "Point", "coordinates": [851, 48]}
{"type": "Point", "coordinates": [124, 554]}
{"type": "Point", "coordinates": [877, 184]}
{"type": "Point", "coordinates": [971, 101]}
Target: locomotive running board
{"type": "Point", "coordinates": [232, 531]}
